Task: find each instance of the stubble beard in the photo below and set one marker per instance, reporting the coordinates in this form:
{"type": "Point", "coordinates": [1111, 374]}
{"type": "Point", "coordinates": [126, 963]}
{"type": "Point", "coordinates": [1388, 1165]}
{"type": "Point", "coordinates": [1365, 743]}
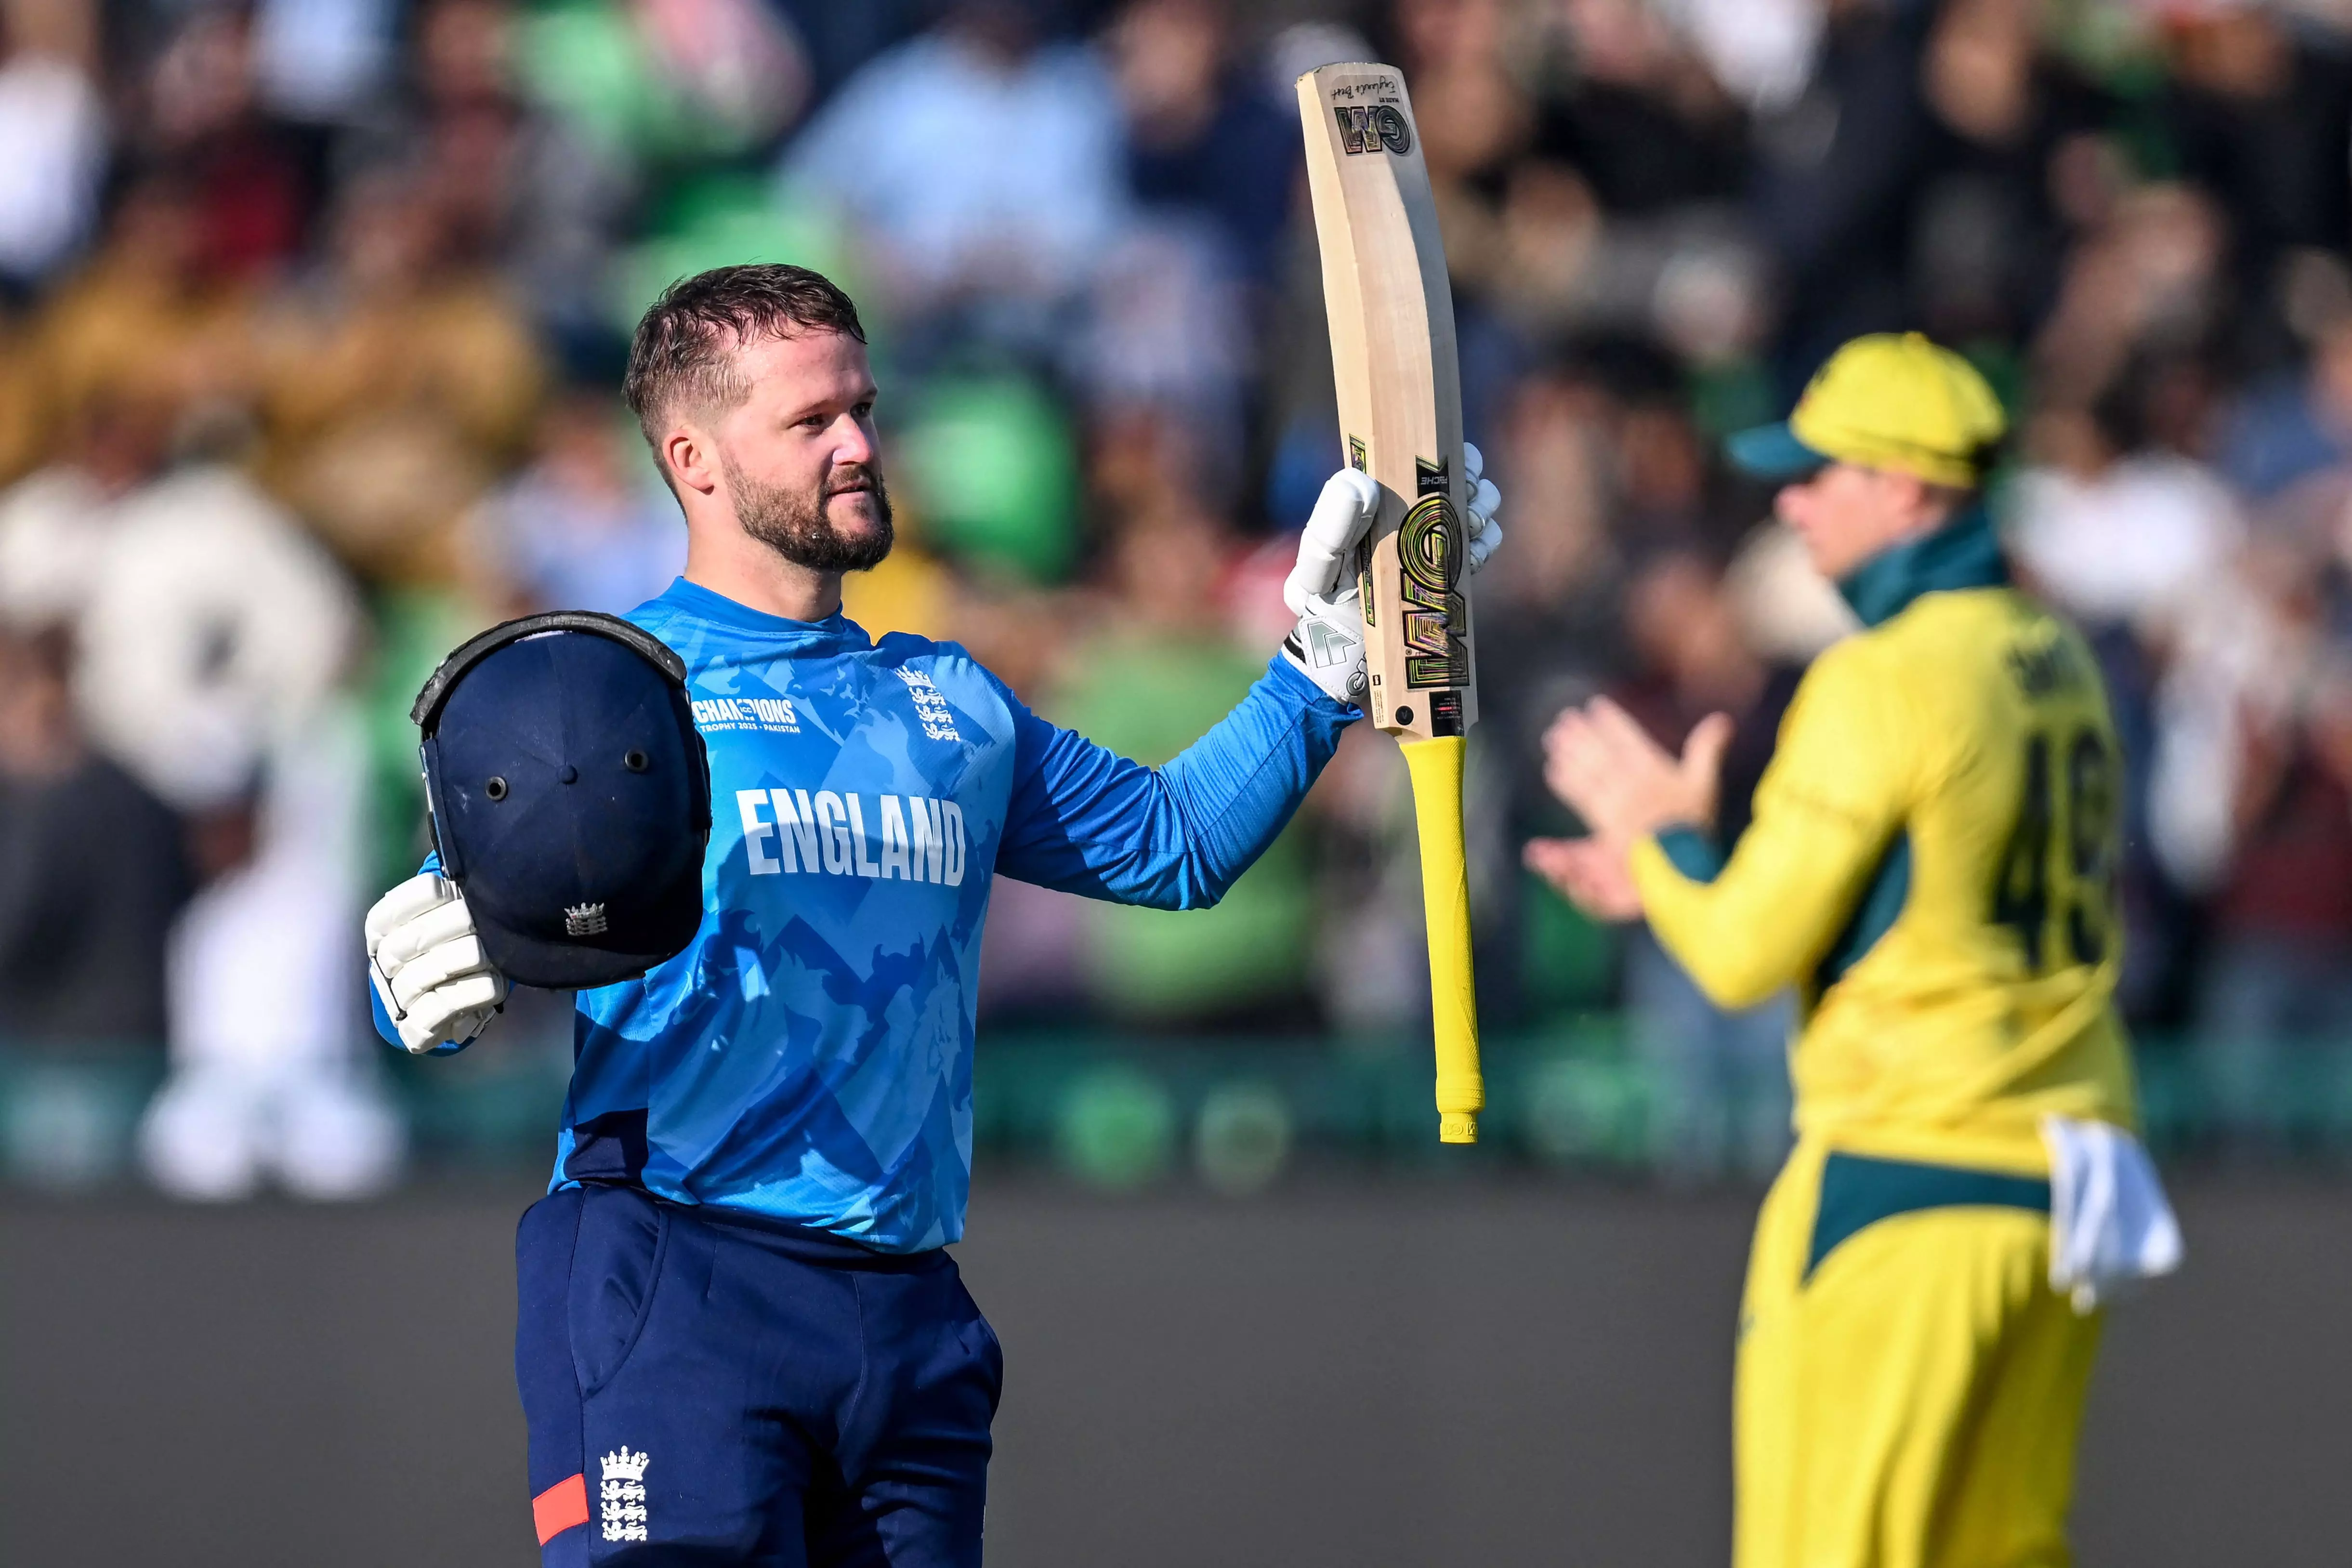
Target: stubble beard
{"type": "Point", "coordinates": [798, 524]}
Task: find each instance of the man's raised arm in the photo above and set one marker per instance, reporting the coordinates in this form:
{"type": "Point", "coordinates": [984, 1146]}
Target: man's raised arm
{"type": "Point", "coordinates": [1086, 820]}
{"type": "Point", "coordinates": [1827, 811]}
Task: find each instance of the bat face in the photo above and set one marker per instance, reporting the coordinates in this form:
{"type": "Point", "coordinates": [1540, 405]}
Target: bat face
{"type": "Point", "coordinates": [1400, 393]}
{"type": "Point", "coordinates": [1393, 355]}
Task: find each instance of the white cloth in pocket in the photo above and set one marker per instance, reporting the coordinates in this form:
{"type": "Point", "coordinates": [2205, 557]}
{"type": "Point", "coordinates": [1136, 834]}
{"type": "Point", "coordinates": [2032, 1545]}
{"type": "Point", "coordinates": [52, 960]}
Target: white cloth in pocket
{"type": "Point", "coordinates": [2111, 1227]}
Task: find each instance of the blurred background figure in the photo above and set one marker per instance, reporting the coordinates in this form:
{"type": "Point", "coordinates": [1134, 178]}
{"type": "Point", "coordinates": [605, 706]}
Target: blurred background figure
{"type": "Point", "coordinates": [148, 321]}
{"type": "Point", "coordinates": [212, 641]}
{"type": "Point", "coordinates": [394, 385]}
{"type": "Point", "coordinates": [54, 123]}
{"type": "Point", "coordinates": [1206, 134]}
{"type": "Point", "coordinates": [585, 526]}
{"type": "Point", "coordinates": [2253, 773]}
{"type": "Point", "coordinates": [1722, 1077]}
{"type": "Point", "coordinates": [93, 872]}
{"type": "Point", "coordinates": [1156, 673]}
{"type": "Point", "coordinates": [980, 163]}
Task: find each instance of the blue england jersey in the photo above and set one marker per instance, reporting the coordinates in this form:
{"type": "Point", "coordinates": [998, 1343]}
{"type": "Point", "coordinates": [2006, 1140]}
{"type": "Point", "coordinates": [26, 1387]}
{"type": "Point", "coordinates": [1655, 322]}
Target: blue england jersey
{"type": "Point", "coordinates": [808, 1057]}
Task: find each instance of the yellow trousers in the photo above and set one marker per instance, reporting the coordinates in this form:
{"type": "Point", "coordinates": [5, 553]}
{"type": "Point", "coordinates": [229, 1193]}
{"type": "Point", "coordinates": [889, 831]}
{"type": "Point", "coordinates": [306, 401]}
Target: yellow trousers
{"type": "Point", "coordinates": [1910, 1388]}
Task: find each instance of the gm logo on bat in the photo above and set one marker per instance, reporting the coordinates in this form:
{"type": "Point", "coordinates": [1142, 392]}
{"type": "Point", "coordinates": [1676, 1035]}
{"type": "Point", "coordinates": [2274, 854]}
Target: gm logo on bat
{"type": "Point", "coordinates": [1369, 128]}
{"type": "Point", "coordinates": [1429, 549]}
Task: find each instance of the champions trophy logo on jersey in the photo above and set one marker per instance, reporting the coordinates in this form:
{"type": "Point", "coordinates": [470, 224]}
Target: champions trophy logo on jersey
{"type": "Point", "coordinates": [624, 1496]}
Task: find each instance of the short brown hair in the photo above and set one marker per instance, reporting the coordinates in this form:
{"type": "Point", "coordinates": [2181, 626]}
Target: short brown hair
{"type": "Point", "coordinates": [685, 346]}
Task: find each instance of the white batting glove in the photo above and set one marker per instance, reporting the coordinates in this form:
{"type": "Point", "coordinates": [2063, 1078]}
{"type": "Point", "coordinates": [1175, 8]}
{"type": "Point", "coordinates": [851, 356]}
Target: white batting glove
{"type": "Point", "coordinates": [428, 966]}
{"type": "Point", "coordinates": [1486, 512]}
{"type": "Point", "coordinates": [1327, 644]}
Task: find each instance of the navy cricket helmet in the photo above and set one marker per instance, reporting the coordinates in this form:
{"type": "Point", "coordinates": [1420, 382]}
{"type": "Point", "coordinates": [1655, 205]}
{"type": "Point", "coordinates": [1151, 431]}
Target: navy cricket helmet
{"type": "Point", "coordinates": [571, 797]}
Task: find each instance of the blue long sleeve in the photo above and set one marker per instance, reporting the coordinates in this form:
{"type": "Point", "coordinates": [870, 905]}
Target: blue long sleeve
{"type": "Point", "coordinates": [1084, 820]}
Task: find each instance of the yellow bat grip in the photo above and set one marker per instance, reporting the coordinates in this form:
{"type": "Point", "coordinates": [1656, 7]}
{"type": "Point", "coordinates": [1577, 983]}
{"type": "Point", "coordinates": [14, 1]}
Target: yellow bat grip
{"type": "Point", "coordinates": [1436, 768]}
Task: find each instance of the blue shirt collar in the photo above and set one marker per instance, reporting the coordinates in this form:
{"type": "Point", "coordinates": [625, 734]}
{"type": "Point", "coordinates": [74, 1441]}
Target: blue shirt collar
{"type": "Point", "coordinates": [704, 604]}
{"type": "Point", "coordinates": [1962, 553]}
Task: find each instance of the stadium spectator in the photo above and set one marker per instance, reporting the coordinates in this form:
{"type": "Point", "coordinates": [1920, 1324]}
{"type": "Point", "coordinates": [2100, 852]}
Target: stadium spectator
{"type": "Point", "coordinates": [147, 320]}
{"type": "Point", "coordinates": [1720, 1077]}
{"type": "Point", "coordinates": [1833, 172]}
{"type": "Point", "coordinates": [93, 872]}
{"type": "Point", "coordinates": [54, 124]}
{"type": "Point", "coordinates": [2256, 105]}
{"type": "Point", "coordinates": [588, 525]}
{"type": "Point", "coordinates": [1203, 134]}
{"type": "Point", "coordinates": [56, 524]}
{"type": "Point", "coordinates": [2295, 423]}
{"type": "Point", "coordinates": [1161, 657]}
{"type": "Point", "coordinates": [322, 61]}
{"type": "Point", "coordinates": [2114, 531]}
{"type": "Point", "coordinates": [394, 385]}
{"type": "Point", "coordinates": [2262, 741]}
{"type": "Point", "coordinates": [470, 131]}
{"type": "Point", "coordinates": [982, 161]}
{"type": "Point", "coordinates": [1640, 120]}
{"type": "Point", "coordinates": [258, 179]}
{"type": "Point", "coordinates": [213, 640]}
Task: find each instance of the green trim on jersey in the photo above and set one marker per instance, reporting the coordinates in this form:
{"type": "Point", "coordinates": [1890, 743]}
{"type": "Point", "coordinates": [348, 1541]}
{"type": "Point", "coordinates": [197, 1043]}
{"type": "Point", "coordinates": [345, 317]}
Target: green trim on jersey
{"type": "Point", "coordinates": [1963, 553]}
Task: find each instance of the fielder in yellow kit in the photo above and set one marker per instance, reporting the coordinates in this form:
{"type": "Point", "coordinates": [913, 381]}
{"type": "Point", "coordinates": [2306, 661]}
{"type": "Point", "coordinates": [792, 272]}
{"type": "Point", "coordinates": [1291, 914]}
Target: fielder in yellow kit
{"type": "Point", "coordinates": [1930, 863]}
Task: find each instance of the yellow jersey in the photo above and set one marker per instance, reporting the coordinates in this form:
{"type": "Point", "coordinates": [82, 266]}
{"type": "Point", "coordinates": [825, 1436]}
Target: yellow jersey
{"type": "Point", "coordinates": [1931, 863]}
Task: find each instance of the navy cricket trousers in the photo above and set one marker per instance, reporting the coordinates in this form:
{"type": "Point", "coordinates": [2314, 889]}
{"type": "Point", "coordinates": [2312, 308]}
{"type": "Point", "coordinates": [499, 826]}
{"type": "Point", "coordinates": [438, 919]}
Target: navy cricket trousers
{"type": "Point", "coordinates": [707, 1389]}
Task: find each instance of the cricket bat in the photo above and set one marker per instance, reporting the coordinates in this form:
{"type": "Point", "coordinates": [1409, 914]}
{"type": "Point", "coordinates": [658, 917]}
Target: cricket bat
{"type": "Point", "coordinates": [1391, 317]}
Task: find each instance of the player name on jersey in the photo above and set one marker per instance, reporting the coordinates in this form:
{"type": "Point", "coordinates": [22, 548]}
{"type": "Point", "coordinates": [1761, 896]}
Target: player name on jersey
{"type": "Point", "coordinates": [844, 833]}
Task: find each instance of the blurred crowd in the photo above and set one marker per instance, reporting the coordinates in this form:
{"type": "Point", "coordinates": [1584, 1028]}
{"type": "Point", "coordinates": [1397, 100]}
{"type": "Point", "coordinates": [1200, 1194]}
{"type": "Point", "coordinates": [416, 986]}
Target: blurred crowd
{"type": "Point", "coordinates": [312, 319]}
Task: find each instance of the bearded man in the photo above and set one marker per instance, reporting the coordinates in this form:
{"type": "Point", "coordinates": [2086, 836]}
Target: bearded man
{"type": "Point", "coordinates": [736, 1306]}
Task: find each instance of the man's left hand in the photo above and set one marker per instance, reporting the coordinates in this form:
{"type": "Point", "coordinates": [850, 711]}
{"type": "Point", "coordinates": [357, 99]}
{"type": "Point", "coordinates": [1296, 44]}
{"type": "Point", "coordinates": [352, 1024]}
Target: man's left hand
{"type": "Point", "coordinates": [1604, 766]}
{"type": "Point", "coordinates": [427, 965]}
{"type": "Point", "coordinates": [1591, 873]}
{"type": "Point", "coordinates": [1327, 644]}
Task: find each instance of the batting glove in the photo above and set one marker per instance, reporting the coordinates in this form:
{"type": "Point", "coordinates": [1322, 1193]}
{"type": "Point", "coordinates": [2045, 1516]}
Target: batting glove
{"type": "Point", "coordinates": [428, 966]}
{"type": "Point", "coordinates": [1327, 644]}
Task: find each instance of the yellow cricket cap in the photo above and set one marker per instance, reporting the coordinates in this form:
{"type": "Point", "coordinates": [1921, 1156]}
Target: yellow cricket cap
{"type": "Point", "coordinates": [1892, 401]}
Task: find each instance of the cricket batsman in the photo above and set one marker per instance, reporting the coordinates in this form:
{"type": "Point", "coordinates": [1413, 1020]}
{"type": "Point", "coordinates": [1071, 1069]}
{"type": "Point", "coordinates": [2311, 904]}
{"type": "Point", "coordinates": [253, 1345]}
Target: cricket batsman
{"type": "Point", "coordinates": [740, 1338]}
{"type": "Point", "coordinates": [1931, 864]}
